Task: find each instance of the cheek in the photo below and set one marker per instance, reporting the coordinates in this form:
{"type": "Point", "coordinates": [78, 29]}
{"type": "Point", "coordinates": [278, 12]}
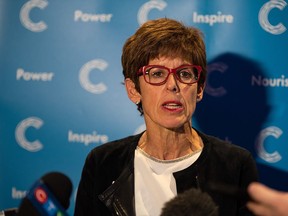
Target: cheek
{"type": "Point", "coordinates": [190, 93]}
{"type": "Point", "coordinates": [148, 93]}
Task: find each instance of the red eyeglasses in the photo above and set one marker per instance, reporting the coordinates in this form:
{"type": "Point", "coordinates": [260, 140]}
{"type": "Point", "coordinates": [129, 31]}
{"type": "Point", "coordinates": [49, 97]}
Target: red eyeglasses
{"type": "Point", "coordinates": [158, 75]}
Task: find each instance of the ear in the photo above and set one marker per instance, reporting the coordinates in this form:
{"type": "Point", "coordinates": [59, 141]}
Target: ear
{"type": "Point", "coordinates": [132, 93]}
{"type": "Point", "coordinates": [200, 92]}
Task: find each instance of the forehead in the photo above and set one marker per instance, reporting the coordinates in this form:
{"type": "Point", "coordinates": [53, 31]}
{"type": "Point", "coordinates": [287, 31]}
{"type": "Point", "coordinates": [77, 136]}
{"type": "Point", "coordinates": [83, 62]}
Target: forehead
{"type": "Point", "coordinates": [168, 61]}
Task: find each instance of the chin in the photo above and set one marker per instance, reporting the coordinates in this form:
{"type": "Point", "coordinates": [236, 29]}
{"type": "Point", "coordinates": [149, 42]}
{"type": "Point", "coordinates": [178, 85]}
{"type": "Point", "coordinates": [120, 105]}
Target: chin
{"type": "Point", "coordinates": [174, 125]}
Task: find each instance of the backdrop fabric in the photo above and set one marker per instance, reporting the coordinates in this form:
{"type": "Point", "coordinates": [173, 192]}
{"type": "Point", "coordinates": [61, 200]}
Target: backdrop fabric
{"type": "Point", "coordinates": [62, 93]}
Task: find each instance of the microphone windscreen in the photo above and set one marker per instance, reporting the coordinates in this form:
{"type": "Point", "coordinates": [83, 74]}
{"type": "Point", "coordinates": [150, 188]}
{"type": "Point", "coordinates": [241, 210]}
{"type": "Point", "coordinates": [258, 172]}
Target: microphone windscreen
{"type": "Point", "coordinates": [26, 208]}
{"type": "Point", "coordinates": [9, 212]}
{"type": "Point", "coordinates": [191, 202]}
{"type": "Point", "coordinates": [50, 195]}
{"type": "Point", "coordinates": [60, 186]}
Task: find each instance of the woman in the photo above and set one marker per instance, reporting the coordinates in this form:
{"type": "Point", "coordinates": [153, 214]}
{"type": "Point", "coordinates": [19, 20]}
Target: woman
{"type": "Point", "coordinates": [164, 65]}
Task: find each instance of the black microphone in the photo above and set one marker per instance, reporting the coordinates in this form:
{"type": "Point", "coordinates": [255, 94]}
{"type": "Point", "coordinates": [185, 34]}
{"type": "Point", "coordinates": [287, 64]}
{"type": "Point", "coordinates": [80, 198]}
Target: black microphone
{"type": "Point", "coordinates": [9, 212]}
{"type": "Point", "coordinates": [49, 196]}
{"type": "Point", "coordinates": [190, 202]}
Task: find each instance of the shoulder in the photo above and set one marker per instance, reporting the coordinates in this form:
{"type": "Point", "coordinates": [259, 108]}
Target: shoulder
{"type": "Point", "coordinates": [115, 149]}
{"type": "Point", "coordinates": [224, 149]}
{"type": "Point", "coordinates": [223, 159]}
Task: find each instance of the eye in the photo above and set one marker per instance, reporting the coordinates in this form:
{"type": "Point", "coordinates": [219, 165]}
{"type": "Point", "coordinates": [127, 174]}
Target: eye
{"type": "Point", "coordinates": [186, 73]}
{"type": "Point", "coordinates": [156, 72]}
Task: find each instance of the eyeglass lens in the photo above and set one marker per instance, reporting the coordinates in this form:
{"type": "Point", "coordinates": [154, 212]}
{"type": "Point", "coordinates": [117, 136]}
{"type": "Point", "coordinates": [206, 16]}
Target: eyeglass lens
{"type": "Point", "coordinates": [186, 74]}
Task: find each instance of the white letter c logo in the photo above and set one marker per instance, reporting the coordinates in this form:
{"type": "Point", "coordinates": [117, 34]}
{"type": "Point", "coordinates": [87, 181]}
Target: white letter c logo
{"type": "Point", "coordinates": [261, 151]}
{"type": "Point", "coordinates": [21, 130]}
{"type": "Point", "coordinates": [264, 13]}
{"type": "Point", "coordinates": [25, 15]}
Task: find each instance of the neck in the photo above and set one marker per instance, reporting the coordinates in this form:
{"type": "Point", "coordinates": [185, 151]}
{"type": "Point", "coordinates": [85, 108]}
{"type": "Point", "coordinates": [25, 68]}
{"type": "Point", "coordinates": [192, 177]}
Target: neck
{"type": "Point", "coordinates": [170, 144]}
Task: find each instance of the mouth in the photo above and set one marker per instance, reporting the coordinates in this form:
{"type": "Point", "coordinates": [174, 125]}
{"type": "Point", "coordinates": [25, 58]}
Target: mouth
{"type": "Point", "coordinates": [172, 105]}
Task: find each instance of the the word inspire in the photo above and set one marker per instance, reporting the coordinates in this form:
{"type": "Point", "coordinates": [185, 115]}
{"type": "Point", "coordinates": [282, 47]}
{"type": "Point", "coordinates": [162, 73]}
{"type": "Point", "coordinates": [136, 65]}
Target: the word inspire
{"type": "Point", "coordinates": [87, 17]}
{"type": "Point", "coordinates": [212, 19]}
{"type": "Point", "coordinates": [87, 139]}
{"type": "Point", "coordinates": [18, 194]}
{"type": "Point", "coordinates": [33, 76]}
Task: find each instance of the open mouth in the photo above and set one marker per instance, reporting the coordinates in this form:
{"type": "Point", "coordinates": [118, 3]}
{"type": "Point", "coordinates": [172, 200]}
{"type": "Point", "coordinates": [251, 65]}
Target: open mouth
{"type": "Point", "coordinates": [172, 105]}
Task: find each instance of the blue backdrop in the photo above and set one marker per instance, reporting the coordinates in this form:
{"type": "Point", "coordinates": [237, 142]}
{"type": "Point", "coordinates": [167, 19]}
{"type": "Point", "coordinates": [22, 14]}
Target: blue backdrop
{"type": "Point", "coordinates": [61, 91]}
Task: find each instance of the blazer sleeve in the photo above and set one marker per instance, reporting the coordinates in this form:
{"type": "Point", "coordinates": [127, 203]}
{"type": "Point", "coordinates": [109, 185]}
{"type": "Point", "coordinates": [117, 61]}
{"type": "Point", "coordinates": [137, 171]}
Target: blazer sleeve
{"type": "Point", "coordinates": [249, 174]}
{"type": "Point", "coordinates": [87, 201]}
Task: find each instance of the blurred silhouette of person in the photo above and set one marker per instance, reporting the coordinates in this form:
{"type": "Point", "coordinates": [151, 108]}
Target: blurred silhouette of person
{"type": "Point", "coordinates": [192, 202]}
{"type": "Point", "coordinates": [234, 103]}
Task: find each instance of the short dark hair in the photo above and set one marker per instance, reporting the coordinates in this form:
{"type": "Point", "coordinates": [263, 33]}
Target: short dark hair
{"type": "Point", "coordinates": [192, 202]}
{"type": "Point", "coordinates": [163, 37]}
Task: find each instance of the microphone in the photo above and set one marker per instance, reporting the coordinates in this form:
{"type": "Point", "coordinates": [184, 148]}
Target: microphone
{"type": "Point", "coordinates": [190, 202]}
{"type": "Point", "coordinates": [49, 196]}
{"type": "Point", "coordinates": [8, 212]}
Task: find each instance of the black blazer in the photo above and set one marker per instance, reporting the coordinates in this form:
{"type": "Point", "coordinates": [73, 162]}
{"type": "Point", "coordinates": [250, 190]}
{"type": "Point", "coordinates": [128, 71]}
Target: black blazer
{"type": "Point", "coordinates": [107, 182]}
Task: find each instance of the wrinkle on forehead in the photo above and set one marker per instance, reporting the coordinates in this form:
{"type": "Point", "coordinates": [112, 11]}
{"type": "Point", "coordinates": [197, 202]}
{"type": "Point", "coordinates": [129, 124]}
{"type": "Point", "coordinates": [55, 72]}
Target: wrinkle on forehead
{"type": "Point", "coordinates": [168, 61]}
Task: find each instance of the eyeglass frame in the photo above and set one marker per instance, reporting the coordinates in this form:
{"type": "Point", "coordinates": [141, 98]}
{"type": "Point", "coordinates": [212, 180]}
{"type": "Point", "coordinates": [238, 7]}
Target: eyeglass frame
{"type": "Point", "coordinates": [142, 71]}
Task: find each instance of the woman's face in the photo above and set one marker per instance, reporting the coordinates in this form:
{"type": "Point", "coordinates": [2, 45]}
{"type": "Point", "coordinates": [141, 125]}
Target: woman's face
{"type": "Point", "coordinates": [172, 104]}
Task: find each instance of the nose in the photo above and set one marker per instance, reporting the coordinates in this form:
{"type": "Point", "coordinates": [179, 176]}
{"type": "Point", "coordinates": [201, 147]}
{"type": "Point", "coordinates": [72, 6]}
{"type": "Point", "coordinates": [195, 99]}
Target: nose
{"type": "Point", "coordinates": [171, 83]}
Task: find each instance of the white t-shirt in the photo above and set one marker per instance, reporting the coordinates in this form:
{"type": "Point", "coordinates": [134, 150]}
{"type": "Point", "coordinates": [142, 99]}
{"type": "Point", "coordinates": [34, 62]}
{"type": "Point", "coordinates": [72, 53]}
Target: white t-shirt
{"type": "Point", "coordinates": [154, 181]}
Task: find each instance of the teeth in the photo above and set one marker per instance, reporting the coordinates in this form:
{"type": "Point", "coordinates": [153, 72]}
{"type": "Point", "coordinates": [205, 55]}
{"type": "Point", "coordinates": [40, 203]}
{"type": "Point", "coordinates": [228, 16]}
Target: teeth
{"type": "Point", "coordinates": [172, 105]}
